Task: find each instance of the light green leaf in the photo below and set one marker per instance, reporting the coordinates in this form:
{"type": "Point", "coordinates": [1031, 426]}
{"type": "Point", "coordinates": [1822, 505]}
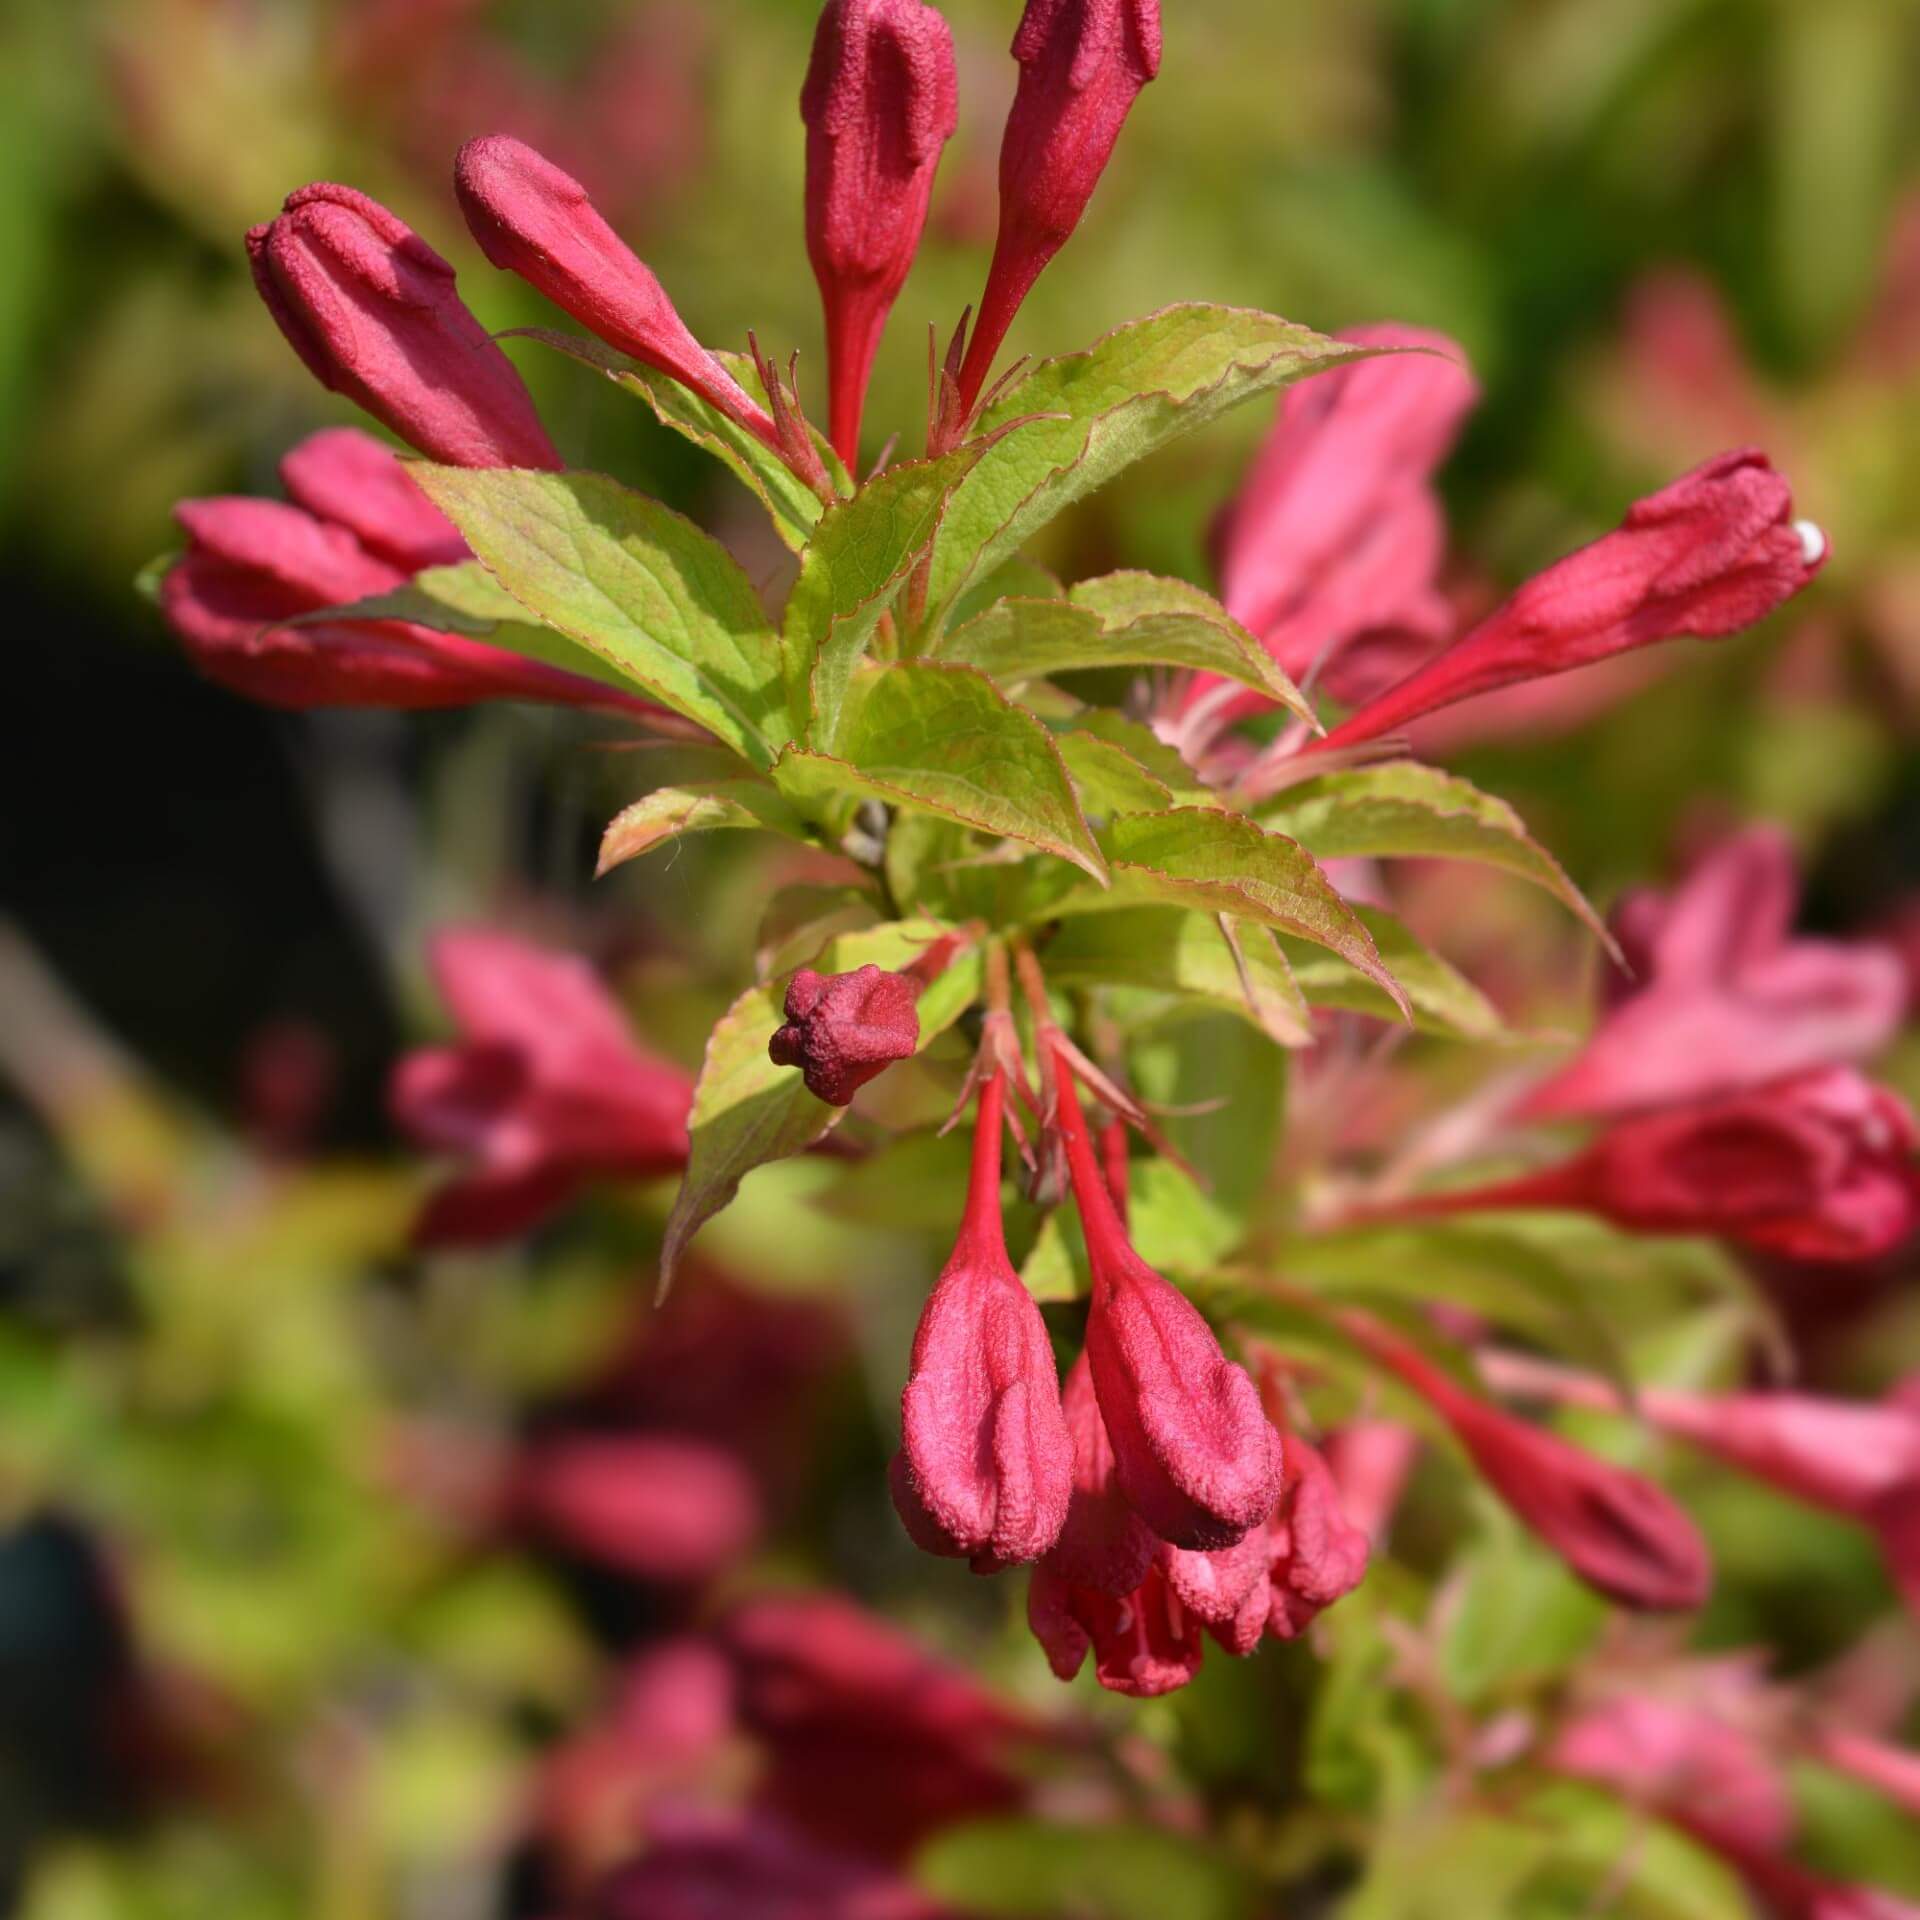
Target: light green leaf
{"type": "Point", "coordinates": [1015, 579]}
{"type": "Point", "coordinates": [1204, 857]}
{"type": "Point", "coordinates": [1141, 744]}
{"type": "Point", "coordinates": [850, 575]}
{"type": "Point", "coordinates": [791, 504]}
{"type": "Point", "coordinates": [945, 740]}
{"type": "Point", "coordinates": [1188, 955]}
{"type": "Point", "coordinates": [631, 581]}
{"type": "Point", "coordinates": [1406, 810]}
{"type": "Point", "coordinates": [671, 811]}
{"type": "Point", "coordinates": [1128, 394]}
{"type": "Point", "coordinates": [1107, 778]}
{"type": "Point", "coordinates": [1028, 639]}
{"type": "Point", "coordinates": [1030, 1870]}
{"type": "Point", "coordinates": [1444, 1000]}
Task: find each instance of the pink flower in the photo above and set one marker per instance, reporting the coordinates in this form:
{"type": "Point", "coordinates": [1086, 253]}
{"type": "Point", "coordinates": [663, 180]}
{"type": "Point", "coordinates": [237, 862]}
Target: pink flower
{"type": "Point", "coordinates": [1082, 64]}
{"type": "Point", "coordinates": [537, 221]}
{"type": "Point", "coordinates": [1315, 1553]}
{"type": "Point", "coordinates": [657, 1506]}
{"type": "Point", "coordinates": [873, 1743]}
{"type": "Point", "coordinates": [546, 1090]}
{"type": "Point", "coordinates": [1819, 1167]}
{"type": "Point", "coordinates": [252, 566]}
{"type": "Point", "coordinates": [1193, 1451]}
{"type": "Point", "coordinates": [985, 1464]}
{"type": "Point", "coordinates": [373, 311]}
{"type": "Point", "coordinates": [1726, 998]}
{"type": "Point", "coordinates": [1714, 552]}
{"type": "Point", "coordinates": [845, 1029]}
{"type": "Point", "coordinates": [881, 101]}
{"type": "Point", "coordinates": [1337, 533]}
{"type": "Point", "coordinates": [1619, 1532]}
{"type": "Point", "coordinates": [1144, 1643]}
{"type": "Point", "coordinates": [1892, 1771]}
{"type": "Point", "coordinates": [1103, 1544]}
{"type": "Point", "coordinates": [347, 477]}
{"type": "Point", "coordinates": [1370, 1461]}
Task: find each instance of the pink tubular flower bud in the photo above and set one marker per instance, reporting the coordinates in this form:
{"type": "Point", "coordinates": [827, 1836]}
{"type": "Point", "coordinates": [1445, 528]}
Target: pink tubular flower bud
{"type": "Point", "coordinates": [1315, 1553]}
{"type": "Point", "coordinates": [1619, 1532]}
{"type": "Point", "coordinates": [881, 101]}
{"type": "Point", "coordinates": [347, 477]}
{"type": "Point", "coordinates": [1193, 1450]}
{"type": "Point", "coordinates": [1819, 1167]}
{"type": "Point", "coordinates": [1082, 64]}
{"type": "Point", "coordinates": [1144, 1643]}
{"type": "Point", "coordinates": [546, 1091]}
{"type": "Point", "coordinates": [985, 1465]}
{"type": "Point", "coordinates": [660, 1507]}
{"type": "Point", "coordinates": [373, 311]}
{"type": "Point", "coordinates": [253, 566]}
{"type": "Point", "coordinates": [1714, 552]}
{"type": "Point", "coordinates": [845, 1029]}
{"type": "Point", "coordinates": [536, 220]}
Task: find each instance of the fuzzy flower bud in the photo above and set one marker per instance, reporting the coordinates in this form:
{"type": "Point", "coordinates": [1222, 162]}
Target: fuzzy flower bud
{"type": "Point", "coordinates": [1193, 1450]}
{"type": "Point", "coordinates": [845, 1029]}
{"type": "Point", "coordinates": [1714, 552]}
{"type": "Point", "coordinates": [985, 1463]}
{"type": "Point", "coordinates": [532, 218]}
{"type": "Point", "coordinates": [347, 477]}
{"type": "Point", "coordinates": [881, 101]}
{"type": "Point", "coordinates": [1082, 64]}
{"type": "Point", "coordinates": [375, 314]}
{"type": "Point", "coordinates": [1315, 1553]}
{"type": "Point", "coordinates": [1144, 1643]}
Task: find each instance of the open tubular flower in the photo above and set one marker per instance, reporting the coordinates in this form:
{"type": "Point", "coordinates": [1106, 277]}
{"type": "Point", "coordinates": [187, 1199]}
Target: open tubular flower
{"type": "Point", "coordinates": [546, 1090]}
{"type": "Point", "coordinates": [985, 1465]}
{"type": "Point", "coordinates": [881, 101]}
{"type": "Point", "coordinates": [536, 220]}
{"type": "Point", "coordinates": [1616, 1530]}
{"type": "Point", "coordinates": [1193, 1450]}
{"type": "Point", "coordinates": [1711, 554]}
{"type": "Point", "coordinates": [375, 314]}
{"type": "Point", "coordinates": [1082, 65]}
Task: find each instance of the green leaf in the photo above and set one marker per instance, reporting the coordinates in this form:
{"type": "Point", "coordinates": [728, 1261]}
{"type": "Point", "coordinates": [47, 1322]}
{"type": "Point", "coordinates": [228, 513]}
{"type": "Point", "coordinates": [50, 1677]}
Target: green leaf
{"type": "Point", "coordinates": [1204, 857]}
{"type": "Point", "coordinates": [1109, 779]}
{"type": "Point", "coordinates": [1145, 747]}
{"type": "Point", "coordinates": [631, 581]}
{"type": "Point", "coordinates": [945, 740]}
{"type": "Point", "coordinates": [1015, 579]}
{"type": "Point", "coordinates": [467, 600]}
{"type": "Point", "coordinates": [1141, 387]}
{"type": "Point", "coordinates": [672, 811]}
{"type": "Point", "coordinates": [1028, 639]}
{"type": "Point", "coordinates": [1031, 1870]}
{"type": "Point", "coordinates": [850, 575]}
{"type": "Point", "coordinates": [1188, 955]}
{"type": "Point", "coordinates": [747, 1111]}
{"type": "Point", "coordinates": [1406, 810]}
{"type": "Point", "coordinates": [791, 504]}
{"type": "Point", "coordinates": [1444, 1000]}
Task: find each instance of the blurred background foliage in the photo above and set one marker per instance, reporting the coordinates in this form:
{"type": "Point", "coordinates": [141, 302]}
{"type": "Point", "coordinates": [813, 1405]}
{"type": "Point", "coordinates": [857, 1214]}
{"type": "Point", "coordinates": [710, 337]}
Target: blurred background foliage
{"type": "Point", "coordinates": [1658, 226]}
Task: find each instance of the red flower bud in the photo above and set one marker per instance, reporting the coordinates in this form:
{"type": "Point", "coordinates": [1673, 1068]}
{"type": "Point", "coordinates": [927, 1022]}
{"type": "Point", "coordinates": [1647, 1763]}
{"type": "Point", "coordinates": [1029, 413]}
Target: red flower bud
{"type": "Point", "coordinates": [535, 220]}
{"type": "Point", "coordinates": [881, 101]}
{"type": "Point", "coordinates": [1144, 1643]}
{"type": "Point", "coordinates": [656, 1506]}
{"type": "Point", "coordinates": [373, 311]}
{"type": "Point", "coordinates": [1710, 554]}
{"type": "Point", "coordinates": [251, 566]}
{"type": "Point", "coordinates": [347, 477]}
{"type": "Point", "coordinates": [1192, 1447]}
{"type": "Point", "coordinates": [985, 1463]}
{"type": "Point", "coordinates": [1104, 1543]}
{"type": "Point", "coordinates": [1082, 64]}
{"type": "Point", "coordinates": [1619, 1532]}
{"type": "Point", "coordinates": [1228, 1591]}
{"type": "Point", "coordinates": [547, 1090]}
{"type": "Point", "coordinates": [1892, 1771]}
{"type": "Point", "coordinates": [845, 1029]}
{"type": "Point", "coordinates": [1724, 997]}
{"type": "Point", "coordinates": [1316, 1555]}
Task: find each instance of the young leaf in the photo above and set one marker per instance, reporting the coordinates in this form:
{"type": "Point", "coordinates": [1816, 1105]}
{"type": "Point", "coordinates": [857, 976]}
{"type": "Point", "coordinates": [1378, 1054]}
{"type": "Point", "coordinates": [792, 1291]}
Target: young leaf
{"type": "Point", "coordinates": [1015, 579]}
{"type": "Point", "coordinates": [945, 740]}
{"type": "Point", "coordinates": [1028, 639]}
{"type": "Point", "coordinates": [1141, 744]}
{"type": "Point", "coordinates": [1118, 401]}
{"type": "Point", "coordinates": [853, 569]}
{"type": "Point", "coordinates": [633, 582]}
{"type": "Point", "coordinates": [1109, 779]}
{"type": "Point", "coordinates": [672, 811]}
{"type": "Point", "coordinates": [1187, 955]}
{"type": "Point", "coordinates": [1202, 857]}
{"type": "Point", "coordinates": [1406, 810]}
{"type": "Point", "coordinates": [1444, 1001]}
{"type": "Point", "coordinates": [791, 504]}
